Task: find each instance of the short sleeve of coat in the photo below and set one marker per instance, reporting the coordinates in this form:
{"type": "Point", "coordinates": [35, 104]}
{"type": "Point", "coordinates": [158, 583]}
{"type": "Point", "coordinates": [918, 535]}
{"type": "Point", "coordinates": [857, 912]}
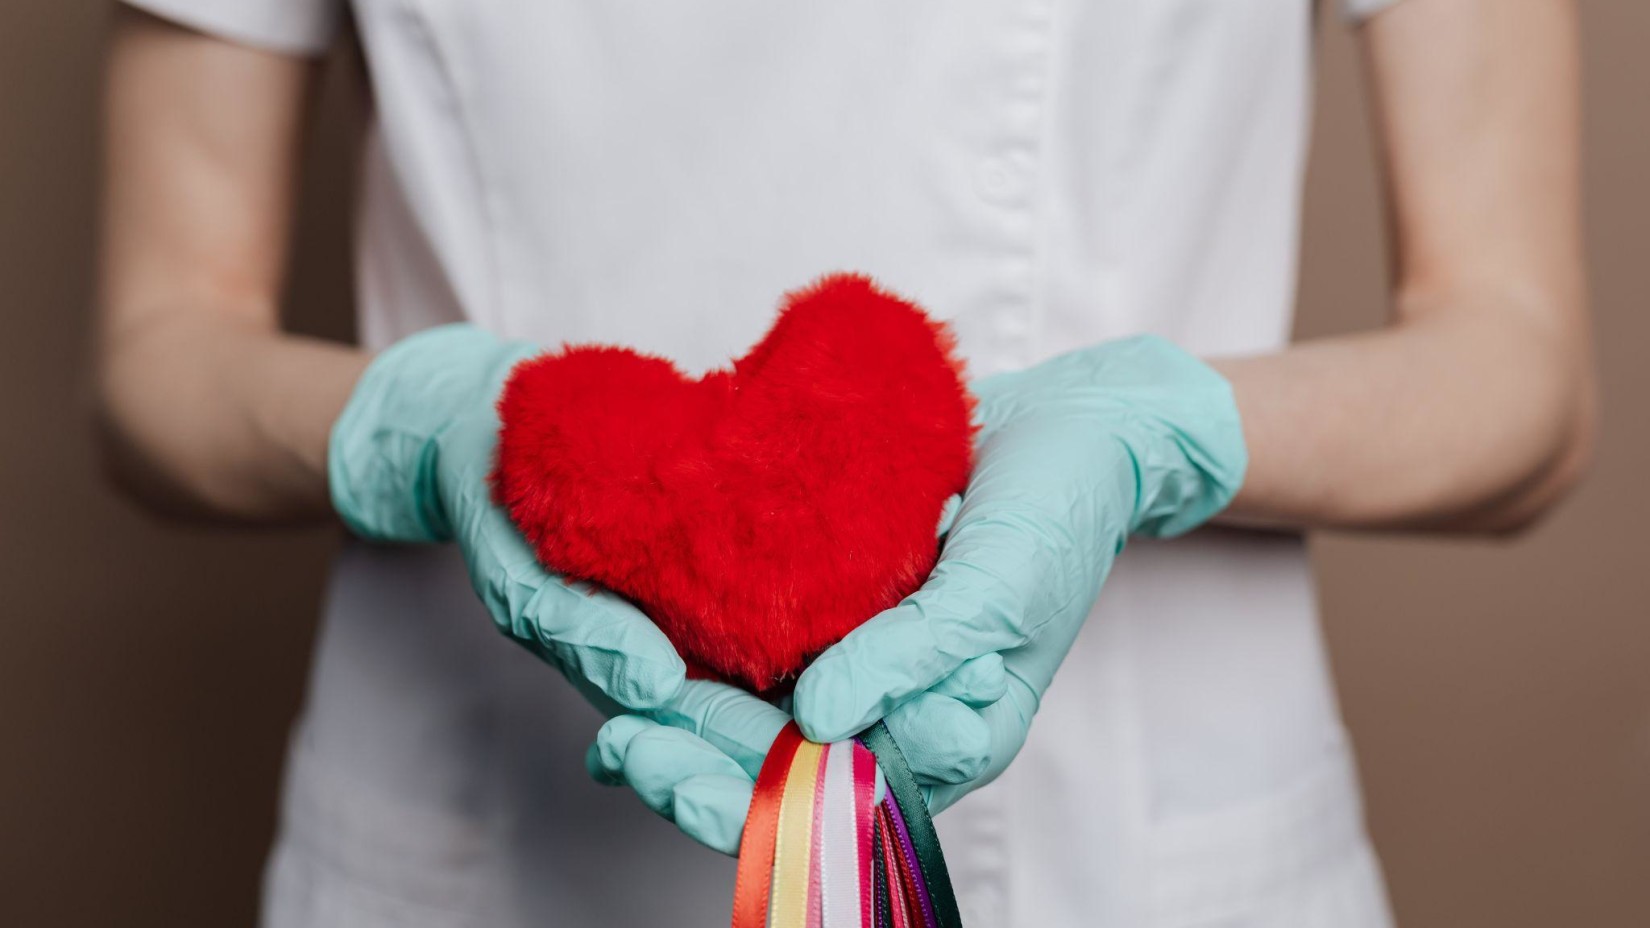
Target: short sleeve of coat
{"type": "Point", "coordinates": [296, 27]}
{"type": "Point", "coordinates": [1356, 11]}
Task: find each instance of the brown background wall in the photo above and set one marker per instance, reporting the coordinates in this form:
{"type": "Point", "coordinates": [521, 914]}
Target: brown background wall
{"type": "Point", "coordinates": [1499, 693]}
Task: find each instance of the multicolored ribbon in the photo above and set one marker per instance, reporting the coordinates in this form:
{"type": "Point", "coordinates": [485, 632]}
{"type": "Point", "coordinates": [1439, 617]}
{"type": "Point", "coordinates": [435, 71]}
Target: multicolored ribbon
{"type": "Point", "coordinates": [819, 852]}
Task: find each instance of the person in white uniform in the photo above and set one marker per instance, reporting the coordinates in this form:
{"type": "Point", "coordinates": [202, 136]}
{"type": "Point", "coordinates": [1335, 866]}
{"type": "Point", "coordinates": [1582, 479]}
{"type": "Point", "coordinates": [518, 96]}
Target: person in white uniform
{"type": "Point", "coordinates": [1048, 176]}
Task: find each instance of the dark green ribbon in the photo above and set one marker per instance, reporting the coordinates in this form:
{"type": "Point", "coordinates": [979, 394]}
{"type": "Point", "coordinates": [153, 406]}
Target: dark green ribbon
{"type": "Point", "coordinates": [883, 913]}
{"type": "Point", "coordinates": [924, 840]}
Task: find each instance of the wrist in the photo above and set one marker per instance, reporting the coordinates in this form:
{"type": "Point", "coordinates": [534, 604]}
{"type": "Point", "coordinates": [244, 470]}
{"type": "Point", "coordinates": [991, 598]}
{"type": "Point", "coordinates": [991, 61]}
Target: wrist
{"type": "Point", "coordinates": [383, 449]}
{"type": "Point", "coordinates": [1178, 419]}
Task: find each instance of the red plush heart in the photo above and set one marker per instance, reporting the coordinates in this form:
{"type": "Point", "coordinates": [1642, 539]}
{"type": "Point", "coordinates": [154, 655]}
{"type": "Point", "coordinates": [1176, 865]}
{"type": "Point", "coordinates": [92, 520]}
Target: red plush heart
{"type": "Point", "coordinates": [759, 513]}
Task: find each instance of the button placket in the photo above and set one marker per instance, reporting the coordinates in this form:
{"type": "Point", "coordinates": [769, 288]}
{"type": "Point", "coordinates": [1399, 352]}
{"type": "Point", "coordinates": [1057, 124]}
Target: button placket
{"type": "Point", "coordinates": [981, 860]}
{"type": "Point", "coordinates": [1006, 181]}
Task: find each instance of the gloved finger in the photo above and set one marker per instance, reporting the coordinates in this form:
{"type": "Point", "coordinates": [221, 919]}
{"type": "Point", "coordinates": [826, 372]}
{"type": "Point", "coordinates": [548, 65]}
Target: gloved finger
{"type": "Point", "coordinates": [678, 775]}
{"type": "Point", "coordinates": [971, 606]}
{"type": "Point", "coordinates": [651, 758]}
{"type": "Point", "coordinates": [738, 724]}
{"type": "Point", "coordinates": [604, 759]}
{"type": "Point", "coordinates": [602, 638]}
{"type": "Point", "coordinates": [948, 516]}
{"type": "Point", "coordinates": [943, 740]}
{"type": "Point", "coordinates": [592, 633]}
{"type": "Point", "coordinates": [978, 683]}
{"type": "Point", "coordinates": [895, 654]}
{"type": "Point", "coordinates": [975, 602]}
{"type": "Point", "coordinates": [1026, 673]}
{"type": "Point", "coordinates": [711, 808]}
{"type": "Point", "coordinates": [1007, 722]}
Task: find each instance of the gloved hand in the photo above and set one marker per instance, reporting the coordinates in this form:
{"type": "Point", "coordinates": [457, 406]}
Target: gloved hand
{"type": "Point", "coordinates": [1073, 456]}
{"type": "Point", "coordinates": [695, 759]}
{"type": "Point", "coordinates": [408, 461]}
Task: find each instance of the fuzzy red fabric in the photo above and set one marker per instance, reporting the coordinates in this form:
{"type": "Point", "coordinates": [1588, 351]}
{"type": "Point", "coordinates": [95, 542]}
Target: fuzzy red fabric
{"type": "Point", "coordinates": [759, 513]}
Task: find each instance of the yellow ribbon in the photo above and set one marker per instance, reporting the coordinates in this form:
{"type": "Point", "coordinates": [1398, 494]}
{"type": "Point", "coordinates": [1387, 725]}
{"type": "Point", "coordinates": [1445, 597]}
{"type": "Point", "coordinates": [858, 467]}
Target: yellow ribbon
{"type": "Point", "coordinates": [792, 860]}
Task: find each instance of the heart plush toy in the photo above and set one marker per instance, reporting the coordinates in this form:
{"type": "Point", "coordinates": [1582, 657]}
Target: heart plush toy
{"type": "Point", "coordinates": [758, 513]}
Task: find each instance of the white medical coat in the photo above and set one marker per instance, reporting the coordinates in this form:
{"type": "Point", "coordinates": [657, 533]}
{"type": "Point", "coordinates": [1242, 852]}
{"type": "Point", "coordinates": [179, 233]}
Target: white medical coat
{"type": "Point", "coordinates": [1047, 174]}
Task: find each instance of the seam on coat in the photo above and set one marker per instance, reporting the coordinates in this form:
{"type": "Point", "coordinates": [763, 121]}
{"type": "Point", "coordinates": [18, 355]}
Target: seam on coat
{"type": "Point", "coordinates": [1043, 185]}
{"type": "Point", "coordinates": [494, 305]}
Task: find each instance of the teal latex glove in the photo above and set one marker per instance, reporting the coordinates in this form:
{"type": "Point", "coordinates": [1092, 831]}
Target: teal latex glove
{"type": "Point", "coordinates": [408, 461]}
{"type": "Point", "coordinates": [695, 759]}
{"type": "Point", "coordinates": [1073, 456]}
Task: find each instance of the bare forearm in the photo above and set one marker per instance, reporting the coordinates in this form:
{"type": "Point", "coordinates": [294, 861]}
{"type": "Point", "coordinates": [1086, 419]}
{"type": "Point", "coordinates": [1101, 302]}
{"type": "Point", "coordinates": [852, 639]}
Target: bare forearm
{"type": "Point", "coordinates": [207, 415]}
{"type": "Point", "coordinates": [1474, 419]}
{"type": "Point", "coordinates": [205, 408]}
{"type": "Point", "coordinates": [1474, 411]}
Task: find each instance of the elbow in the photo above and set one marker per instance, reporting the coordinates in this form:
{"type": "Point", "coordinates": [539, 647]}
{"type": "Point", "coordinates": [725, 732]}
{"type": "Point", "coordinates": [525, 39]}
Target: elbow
{"type": "Point", "coordinates": [109, 448]}
{"type": "Point", "coordinates": [112, 447]}
{"type": "Point", "coordinates": [112, 417]}
{"type": "Point", "coordinates": [1562, 470]}
{"type": "Point", "coordinates": [125, 459]}
{"type": "Point", "coordinates": [141, 482]}
{"type": "Point", "coordinates": [121, 461]}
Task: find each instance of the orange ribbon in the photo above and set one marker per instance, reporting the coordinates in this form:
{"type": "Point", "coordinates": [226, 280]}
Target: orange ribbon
{"type": "Point", "coordinates": [752, 884]}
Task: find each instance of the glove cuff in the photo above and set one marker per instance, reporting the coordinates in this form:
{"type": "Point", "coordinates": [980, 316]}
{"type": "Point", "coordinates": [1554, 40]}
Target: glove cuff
{"type": "Point", "coordinates": [381, 454]}
{"type": "Point", "coordinates": [1191, 459]}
